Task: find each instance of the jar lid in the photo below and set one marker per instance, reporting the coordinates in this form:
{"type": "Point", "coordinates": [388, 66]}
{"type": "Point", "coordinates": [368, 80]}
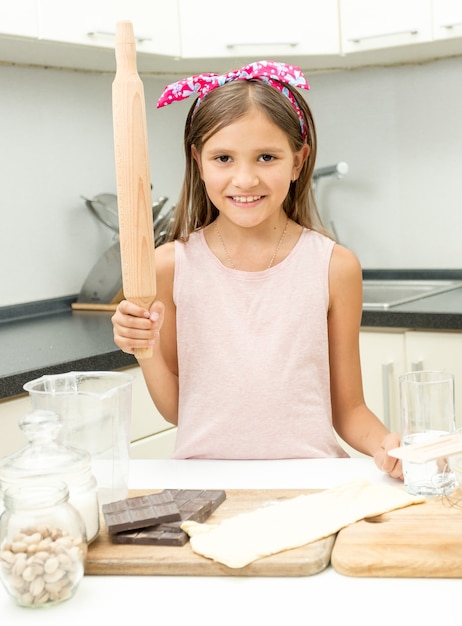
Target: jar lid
{"type": "Point", "coordinates": [44, 456]}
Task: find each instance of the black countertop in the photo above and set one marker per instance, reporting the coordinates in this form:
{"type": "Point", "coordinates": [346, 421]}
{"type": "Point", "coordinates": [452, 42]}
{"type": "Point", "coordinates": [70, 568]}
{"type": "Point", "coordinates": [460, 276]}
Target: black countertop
{"type": "Point", "coordinates": [50, 337]}
{"type": "Point", "coordinates": [439, 312]}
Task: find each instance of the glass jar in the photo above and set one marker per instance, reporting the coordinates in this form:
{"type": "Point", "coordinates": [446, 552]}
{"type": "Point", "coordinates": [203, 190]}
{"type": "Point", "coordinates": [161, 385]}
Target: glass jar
{"type": "Point", "coordinates": [45, 459]}
{"type": "Point", "coordinates": [42, 545]}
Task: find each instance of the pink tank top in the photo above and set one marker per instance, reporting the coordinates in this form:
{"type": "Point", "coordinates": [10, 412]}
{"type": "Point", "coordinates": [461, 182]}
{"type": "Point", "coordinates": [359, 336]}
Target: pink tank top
{"type": "Point", "coordinates": [253, 355]}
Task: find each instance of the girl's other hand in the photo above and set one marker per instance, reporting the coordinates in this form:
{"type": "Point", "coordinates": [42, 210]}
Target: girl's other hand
{"type": "Point", "coordinates": [136, 327]}
{"type": "Point", "coordinates": [384, 461]}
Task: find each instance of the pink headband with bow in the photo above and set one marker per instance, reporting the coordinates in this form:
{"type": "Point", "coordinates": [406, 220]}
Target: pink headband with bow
{"type": "Point", "coordinates": [271, 72]}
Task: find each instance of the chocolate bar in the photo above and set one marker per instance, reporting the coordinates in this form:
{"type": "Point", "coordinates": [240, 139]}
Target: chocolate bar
{"type": "Point", "coordinates": [194, 504]}
{"type": "Point", "coordinates": [155, 535]}
{"type": "Point", "coordinates": [140, 512]}
{"type": "Point", "coordinates": [182, 496]}
{"type": "Point", "coordinates": [170, 533]}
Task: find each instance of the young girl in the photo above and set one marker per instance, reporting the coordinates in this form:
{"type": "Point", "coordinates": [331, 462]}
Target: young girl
{"type": "Point", "coordinates": [255, 330]}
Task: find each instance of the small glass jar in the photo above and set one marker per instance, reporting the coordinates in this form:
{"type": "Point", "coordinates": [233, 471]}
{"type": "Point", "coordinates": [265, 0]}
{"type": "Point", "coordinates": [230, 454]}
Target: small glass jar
{"type": "Point", "coordinates": [43, 545]}
{"type": "Point", "coordinates": [45, 459]}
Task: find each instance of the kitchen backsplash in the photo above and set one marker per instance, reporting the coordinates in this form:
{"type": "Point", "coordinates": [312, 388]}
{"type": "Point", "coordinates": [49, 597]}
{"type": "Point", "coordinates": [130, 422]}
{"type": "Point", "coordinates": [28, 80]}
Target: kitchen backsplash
{"type": "Point", "coordinates": [399, 129]}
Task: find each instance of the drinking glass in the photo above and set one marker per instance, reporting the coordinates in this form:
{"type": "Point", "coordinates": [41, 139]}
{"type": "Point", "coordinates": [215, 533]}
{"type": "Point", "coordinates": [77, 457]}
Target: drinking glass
{"type": "Point", "coordinates": [427, 412]}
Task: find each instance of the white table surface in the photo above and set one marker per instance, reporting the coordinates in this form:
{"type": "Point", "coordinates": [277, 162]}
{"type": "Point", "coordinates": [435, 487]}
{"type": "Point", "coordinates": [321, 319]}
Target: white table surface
{"type": "Point", "coordinates": [325, 598]}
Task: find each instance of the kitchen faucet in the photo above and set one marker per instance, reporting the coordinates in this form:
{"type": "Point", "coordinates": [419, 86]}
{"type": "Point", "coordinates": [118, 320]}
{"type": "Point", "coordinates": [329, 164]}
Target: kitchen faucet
{"type": "Point", "coordinates": [339, 170]}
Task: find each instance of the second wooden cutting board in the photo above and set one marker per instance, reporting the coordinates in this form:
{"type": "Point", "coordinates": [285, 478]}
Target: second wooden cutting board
{"type": "Point", "coordinates": [106, 558]}
{"type": "Point", "coordinates": [423, 541]}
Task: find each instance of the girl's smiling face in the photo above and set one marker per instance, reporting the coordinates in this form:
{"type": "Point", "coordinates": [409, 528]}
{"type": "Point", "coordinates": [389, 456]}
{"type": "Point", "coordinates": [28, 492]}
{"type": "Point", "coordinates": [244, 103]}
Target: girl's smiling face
{"type": "Point", "coordinates": [247, 168]}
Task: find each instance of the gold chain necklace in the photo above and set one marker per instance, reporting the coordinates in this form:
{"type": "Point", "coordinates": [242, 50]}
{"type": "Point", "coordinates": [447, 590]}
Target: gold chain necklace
{"type": "Point", "coordinates": [281, 239]}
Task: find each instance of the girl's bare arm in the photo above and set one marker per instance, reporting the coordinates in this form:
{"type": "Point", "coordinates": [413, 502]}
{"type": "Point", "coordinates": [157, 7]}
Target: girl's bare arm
{"type": "Point", "coordinates": [134, 327]}
{"type": "Point", "coordinates": [352, 419]}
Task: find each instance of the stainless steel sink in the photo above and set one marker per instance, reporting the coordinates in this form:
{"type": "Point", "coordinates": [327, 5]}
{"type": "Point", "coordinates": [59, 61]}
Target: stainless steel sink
{"type": "Point", "coordinates": [383, 294]}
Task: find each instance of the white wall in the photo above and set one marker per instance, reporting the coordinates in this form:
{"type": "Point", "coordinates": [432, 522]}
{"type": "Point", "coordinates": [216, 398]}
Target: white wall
{"type": "Point", "coordinates": [399, 129]}
{"type": "Point", "coordinates": [56, 145]}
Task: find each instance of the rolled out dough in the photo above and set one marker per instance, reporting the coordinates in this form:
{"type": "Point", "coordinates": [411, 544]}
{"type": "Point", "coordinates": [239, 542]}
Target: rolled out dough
{"type": "Point", "coordinates": [239, 540]}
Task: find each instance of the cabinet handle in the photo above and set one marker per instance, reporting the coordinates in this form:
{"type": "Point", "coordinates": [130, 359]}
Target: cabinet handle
{"type": "Point", "coordinates": [291, 44]}
{"type": "Point", "coordinates": [451, 25]}
{"type": "Point", "coordinates": [387, 371]}
{"type": "Point", "coordinates": [107, 33]}
{"type": "Point", "coordinates": [410, 31]}
{"type": "Point", "coordinates": [417, 366]}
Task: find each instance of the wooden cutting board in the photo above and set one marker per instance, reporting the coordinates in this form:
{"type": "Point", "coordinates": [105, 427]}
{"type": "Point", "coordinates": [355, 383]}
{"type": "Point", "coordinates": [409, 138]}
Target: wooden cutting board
{"type": "Point", "coordinates": [422, 541]}
{"type": "Point", "coordinates": [106, 558]}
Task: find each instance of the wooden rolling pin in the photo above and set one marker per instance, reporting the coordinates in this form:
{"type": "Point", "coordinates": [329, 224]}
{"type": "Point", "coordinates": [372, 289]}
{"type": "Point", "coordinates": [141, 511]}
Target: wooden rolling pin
{"type": "Point", "coordinates": [443, 446]}
{"type": "Point", "coordinates": [136, 231]}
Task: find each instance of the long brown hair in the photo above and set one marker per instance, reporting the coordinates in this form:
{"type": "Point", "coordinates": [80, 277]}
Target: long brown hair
{"type": "Point", "coordinates": [222, 107]}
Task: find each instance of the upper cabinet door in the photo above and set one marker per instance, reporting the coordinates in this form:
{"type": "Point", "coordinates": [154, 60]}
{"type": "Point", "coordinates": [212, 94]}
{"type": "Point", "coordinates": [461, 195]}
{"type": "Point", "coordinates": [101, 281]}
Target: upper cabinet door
{"type": "Point", "coordinates": [19, 18]}
{"type": "Point", "coordinates": [254, 29]}
{"type": "Point", "coordinates": [93, 23]}
{"type": "Point", "coordinates": [370, 25]}
{"type": "Point", "coordinates": [447, 19]}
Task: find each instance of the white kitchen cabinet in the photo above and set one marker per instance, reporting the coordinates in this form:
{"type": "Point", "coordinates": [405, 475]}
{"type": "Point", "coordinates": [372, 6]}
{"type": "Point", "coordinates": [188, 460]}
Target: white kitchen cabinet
{"type": "Point", "coordinates": [256, 30]}
{"type": "Point", "coordinates": [158, 446]}
{"type": "Point", "coordinates": [437, 351]}
{"type": "Point", "coordinates": [382, 361]}
{"type": "Point", "coordinates": [447, 19]}
{"type": "Point", "coordinates": [388, 353]}
{"type": "Point", "coordinates": [150, 435]}
{"type": "Point", "coordinates": [19, 18]}
{"type": "Point", "coordinates": [368, 25]}
{"type": "Point", "coordinates": [93, 22]}
{"type": "Point", "coordinates": [181, 37]}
